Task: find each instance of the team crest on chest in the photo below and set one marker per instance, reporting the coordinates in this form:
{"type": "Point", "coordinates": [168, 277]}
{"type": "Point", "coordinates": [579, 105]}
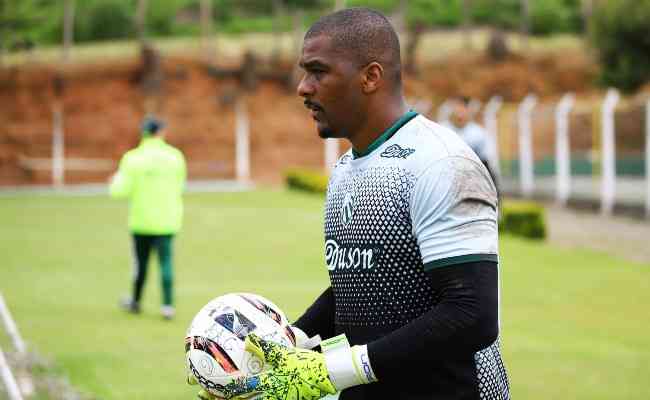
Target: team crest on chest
{"type": "Point", "coordinates": [347, 209]}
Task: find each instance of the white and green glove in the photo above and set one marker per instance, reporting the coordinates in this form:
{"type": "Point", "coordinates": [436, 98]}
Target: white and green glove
{"type": "Point", "coordinates": [300, 374]}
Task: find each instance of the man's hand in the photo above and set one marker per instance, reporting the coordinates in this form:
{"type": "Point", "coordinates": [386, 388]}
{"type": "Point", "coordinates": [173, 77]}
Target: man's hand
{"type": "Point", "coordinates": [299, 374]}
{"type": "Point", "coordinates": [295, 374]}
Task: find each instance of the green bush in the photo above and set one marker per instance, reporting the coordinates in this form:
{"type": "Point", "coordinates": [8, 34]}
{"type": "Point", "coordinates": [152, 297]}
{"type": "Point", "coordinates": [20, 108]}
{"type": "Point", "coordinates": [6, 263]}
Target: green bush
{"type": "Point", "coordinates": [553, 16]}
{"type": "Point", "coordinates": [621, 33]}
{"type": "Point", "coordinates": [523, 218]}
{"type": "Point", "coordinates": [307, 180]}
{"type": "Point", "coordinates": [103, 20]}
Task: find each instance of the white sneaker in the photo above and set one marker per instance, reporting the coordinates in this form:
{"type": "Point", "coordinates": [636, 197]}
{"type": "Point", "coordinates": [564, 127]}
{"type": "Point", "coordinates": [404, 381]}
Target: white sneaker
{"type": "Point", "coordinates": [167, 312]}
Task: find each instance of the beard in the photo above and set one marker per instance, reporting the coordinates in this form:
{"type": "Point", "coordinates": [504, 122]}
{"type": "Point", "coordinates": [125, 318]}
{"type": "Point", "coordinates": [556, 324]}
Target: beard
{"type": "Point", "coordinates": [325, 132]}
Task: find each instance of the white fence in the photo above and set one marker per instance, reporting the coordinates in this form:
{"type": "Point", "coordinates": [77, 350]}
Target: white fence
{"type": "Point", "coordinates": [10, 382]}
{"type": "Point", "coordinates": [605, 185]}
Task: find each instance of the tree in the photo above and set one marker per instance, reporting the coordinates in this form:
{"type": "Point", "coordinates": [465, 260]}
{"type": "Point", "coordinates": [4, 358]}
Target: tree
{"type": "Point", "coordinates": [467, 24]}
{"type": "Point", "coordinates": [206, 29]}
{"type": "Point", "coordinates": [525, 24]}
{"type": "Point", "coordinates": [68, 29]}
{"type": "Point", "coordinates": [140, 20]}
{"type": "Point", "coordinates": [620, 35]}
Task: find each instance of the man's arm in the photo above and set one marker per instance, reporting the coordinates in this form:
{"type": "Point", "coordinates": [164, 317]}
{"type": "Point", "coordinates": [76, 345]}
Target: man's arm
{"type": "Point", "coordinates": [121, 185]}
{"type": "Point", "coordinates": [464, 321]}
{"type": "Point", "coordinates": [318, 319]}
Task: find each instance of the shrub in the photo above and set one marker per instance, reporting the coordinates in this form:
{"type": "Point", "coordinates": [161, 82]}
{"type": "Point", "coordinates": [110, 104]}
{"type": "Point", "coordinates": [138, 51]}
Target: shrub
{"type": "Point", "coordinates": [103, 20]}
{"type": "Point", "coordinates": [522, 218]}
{"type": "Point", "coordinates": [307, 180]}
{"type": "Point", "coordinates": [553, 16]}
{"type": "Point", "coordinates": [621, 35]}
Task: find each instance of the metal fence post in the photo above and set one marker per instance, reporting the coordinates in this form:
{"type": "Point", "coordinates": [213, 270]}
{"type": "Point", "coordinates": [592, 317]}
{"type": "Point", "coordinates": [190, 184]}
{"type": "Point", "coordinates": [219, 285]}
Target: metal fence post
{"type": "Point", "coordinates": [58, 148]}
{"type": "Point", "coordinates": [331, 153]}
{"type": "Point", "coordinates": [608, 183]}
{"type": "Point", "coordinates": [491, 125]}
{"type": "Point", "coordinates": [562, 149]}
{"type": "Point", "coordinates": [9, 381]}
{"type": "Point", "coordinates": [647, 158]}
{"type": "Point", "coordinates": [526, 145]}
{"type": "Point", "coordinates": [242, 142]}
{"type": "Point", "coordinates": [444, 111]}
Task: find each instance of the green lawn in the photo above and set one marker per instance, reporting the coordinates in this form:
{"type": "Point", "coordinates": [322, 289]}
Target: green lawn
{"type": "Point", "coordinates": [575, 323]}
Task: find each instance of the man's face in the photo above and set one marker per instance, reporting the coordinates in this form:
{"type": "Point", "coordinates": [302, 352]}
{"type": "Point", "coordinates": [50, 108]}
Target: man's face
{"type": "Point", "coordinates": [330, 87]}
{"type": "Point", "coordinates": [461, 114]}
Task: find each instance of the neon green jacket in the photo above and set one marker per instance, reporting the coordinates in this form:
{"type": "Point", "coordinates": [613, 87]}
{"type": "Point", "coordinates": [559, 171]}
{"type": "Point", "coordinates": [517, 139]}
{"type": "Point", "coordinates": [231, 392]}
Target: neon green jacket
{"type": "Point", "coordinates": [152, 176]}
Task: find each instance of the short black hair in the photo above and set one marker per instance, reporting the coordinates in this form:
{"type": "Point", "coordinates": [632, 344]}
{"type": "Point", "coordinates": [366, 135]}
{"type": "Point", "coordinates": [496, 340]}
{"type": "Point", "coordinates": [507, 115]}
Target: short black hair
{"type": "Point", "coordinates": [365, 34]}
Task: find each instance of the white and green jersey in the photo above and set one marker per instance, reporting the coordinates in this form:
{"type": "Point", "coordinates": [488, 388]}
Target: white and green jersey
{"type": "Point", "coordinates": [418, 199]}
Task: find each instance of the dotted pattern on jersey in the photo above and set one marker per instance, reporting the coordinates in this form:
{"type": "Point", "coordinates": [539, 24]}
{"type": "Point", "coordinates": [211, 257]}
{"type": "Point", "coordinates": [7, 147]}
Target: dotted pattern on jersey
{"type": "Point", "coordinates": [491, 374]}
{"type": "Point", "coordinates": [396, 289]}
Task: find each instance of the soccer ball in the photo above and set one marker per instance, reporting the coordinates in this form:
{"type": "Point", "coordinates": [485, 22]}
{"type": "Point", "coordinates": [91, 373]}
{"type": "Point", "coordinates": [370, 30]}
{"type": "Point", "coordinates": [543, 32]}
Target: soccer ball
{"type": "Point", "coordinates": [214, 343]}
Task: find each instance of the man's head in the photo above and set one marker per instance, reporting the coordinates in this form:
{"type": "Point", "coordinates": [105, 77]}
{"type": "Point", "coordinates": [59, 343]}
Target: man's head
{"type": "Point", "coordinates": [461, 113]}
{"type": "Point", "coordinates": [351, 60]}
{"type": "Point", "coordinates": [152, 126]}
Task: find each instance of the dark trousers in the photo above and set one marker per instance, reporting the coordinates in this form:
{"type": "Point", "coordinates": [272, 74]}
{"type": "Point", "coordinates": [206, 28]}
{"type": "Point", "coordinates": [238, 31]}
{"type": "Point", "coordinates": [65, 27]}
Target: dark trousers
{"type": "Point", "coordinates": [142, 246]}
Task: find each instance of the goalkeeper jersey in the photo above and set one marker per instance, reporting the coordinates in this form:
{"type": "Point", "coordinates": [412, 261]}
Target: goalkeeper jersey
{"type": "Point", "coordinates": [417, 199]}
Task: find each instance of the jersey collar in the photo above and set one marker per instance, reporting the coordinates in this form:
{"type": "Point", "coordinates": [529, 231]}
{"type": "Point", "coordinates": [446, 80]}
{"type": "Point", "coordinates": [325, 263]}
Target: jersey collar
{"type": "Point", "coordinates": [388, 133]}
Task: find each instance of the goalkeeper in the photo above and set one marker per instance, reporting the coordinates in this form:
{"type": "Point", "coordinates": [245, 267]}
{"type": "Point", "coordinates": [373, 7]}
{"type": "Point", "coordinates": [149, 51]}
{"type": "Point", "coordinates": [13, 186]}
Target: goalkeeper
{"type": "Point", "coordinates": [410, 240]}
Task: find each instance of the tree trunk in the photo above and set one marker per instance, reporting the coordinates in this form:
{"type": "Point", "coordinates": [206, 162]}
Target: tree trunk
{"type": "Point", "coordinates": [68, 29]}
{"type": "Point", "coordinates": [525, 24]}
{"type": "Point", "coordinates": [140, 18]}
{"type": "Point", "coordinates": [298, 34]}
{"type": "Point", "coordinates": [206, 30]}
{"type": "Point", "coordinates": [278, 13]}
{"type": "Point", "coordinates": [467, 25]}
{"type": "Point", "coordinates": [399, 17]}
{"type": "Point", "coordinates": [587, 13]}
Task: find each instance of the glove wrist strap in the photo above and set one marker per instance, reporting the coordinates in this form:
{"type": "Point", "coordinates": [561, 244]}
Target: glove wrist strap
{"type": "Point", "coordinates": [347, 366]}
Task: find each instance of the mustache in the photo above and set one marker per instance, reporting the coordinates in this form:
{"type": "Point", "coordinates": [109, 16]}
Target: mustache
{"type": "Point", "coordinates": [313, 106]}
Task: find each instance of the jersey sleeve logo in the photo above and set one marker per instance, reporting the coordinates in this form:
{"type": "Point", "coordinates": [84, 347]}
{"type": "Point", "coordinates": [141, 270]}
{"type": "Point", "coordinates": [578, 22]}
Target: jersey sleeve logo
{"type": "Point", "coordinates": [396, 151]}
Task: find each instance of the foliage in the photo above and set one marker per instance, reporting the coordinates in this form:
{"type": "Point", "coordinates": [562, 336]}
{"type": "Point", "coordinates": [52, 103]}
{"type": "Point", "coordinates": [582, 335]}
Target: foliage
{"type": "Point", "coordinates": [621, 34]}
{"type": "Point", "coordinates": [520, 218]}
{"type": "Point", "coordinates": [552, 16]}
{"type": "Point", "coordinates": [307, 180]}
{"type": "Point", "coordinates": [103, 20]}
{"type": "Point", "coordinates": [40, 21]}
{"type": "Point", "coordinates": [27, 20]}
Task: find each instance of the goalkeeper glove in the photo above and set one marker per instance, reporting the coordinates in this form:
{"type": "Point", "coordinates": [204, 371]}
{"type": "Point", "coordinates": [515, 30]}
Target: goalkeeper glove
{"type": "Point", "coordinates": [298, 374]}
{"type": "Point", "coordinates": [303, 341]}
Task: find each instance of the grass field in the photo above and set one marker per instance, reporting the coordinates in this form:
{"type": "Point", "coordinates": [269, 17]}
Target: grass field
{"type": "Point", "coordinates": [574, 323]}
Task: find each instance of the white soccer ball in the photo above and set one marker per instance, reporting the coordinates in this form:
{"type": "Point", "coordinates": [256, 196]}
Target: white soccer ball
{"type": "Point", "coordinates": [214, 343]}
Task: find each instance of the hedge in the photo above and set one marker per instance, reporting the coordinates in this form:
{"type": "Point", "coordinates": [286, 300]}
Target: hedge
{"type": "Point", "coordinates": [307, 180]}
{"type": "Point", "coordinates": [523, 218]}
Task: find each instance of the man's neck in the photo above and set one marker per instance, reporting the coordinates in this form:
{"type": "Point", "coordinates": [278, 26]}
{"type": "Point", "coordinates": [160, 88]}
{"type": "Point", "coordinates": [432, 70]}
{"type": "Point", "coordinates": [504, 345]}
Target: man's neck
{"type": "Point", "coordinates": [378, 122]}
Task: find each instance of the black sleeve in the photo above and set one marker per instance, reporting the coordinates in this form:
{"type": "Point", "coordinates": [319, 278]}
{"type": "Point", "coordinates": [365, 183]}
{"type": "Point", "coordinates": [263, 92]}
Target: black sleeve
{"type": "Point", "coordinates": [463, 322]}
{"type": "Point", "coordinates": [319, 317]}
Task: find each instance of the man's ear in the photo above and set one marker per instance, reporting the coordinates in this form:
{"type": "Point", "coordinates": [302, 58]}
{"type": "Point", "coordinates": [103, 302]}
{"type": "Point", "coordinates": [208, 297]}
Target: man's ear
{"type": "Point", "coordinates": [372, 77]}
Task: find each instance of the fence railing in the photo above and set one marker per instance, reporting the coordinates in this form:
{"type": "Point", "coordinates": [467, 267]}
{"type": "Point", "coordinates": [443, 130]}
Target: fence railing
{"type": "Point", "coordinates": [556, 170]}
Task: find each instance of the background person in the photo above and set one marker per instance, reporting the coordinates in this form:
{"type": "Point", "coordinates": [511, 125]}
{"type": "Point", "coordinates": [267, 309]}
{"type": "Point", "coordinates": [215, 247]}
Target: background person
{"type": "Point", "coordinates": [476, 137]}
{"type": "Point", "coordinates": [152, 177]}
